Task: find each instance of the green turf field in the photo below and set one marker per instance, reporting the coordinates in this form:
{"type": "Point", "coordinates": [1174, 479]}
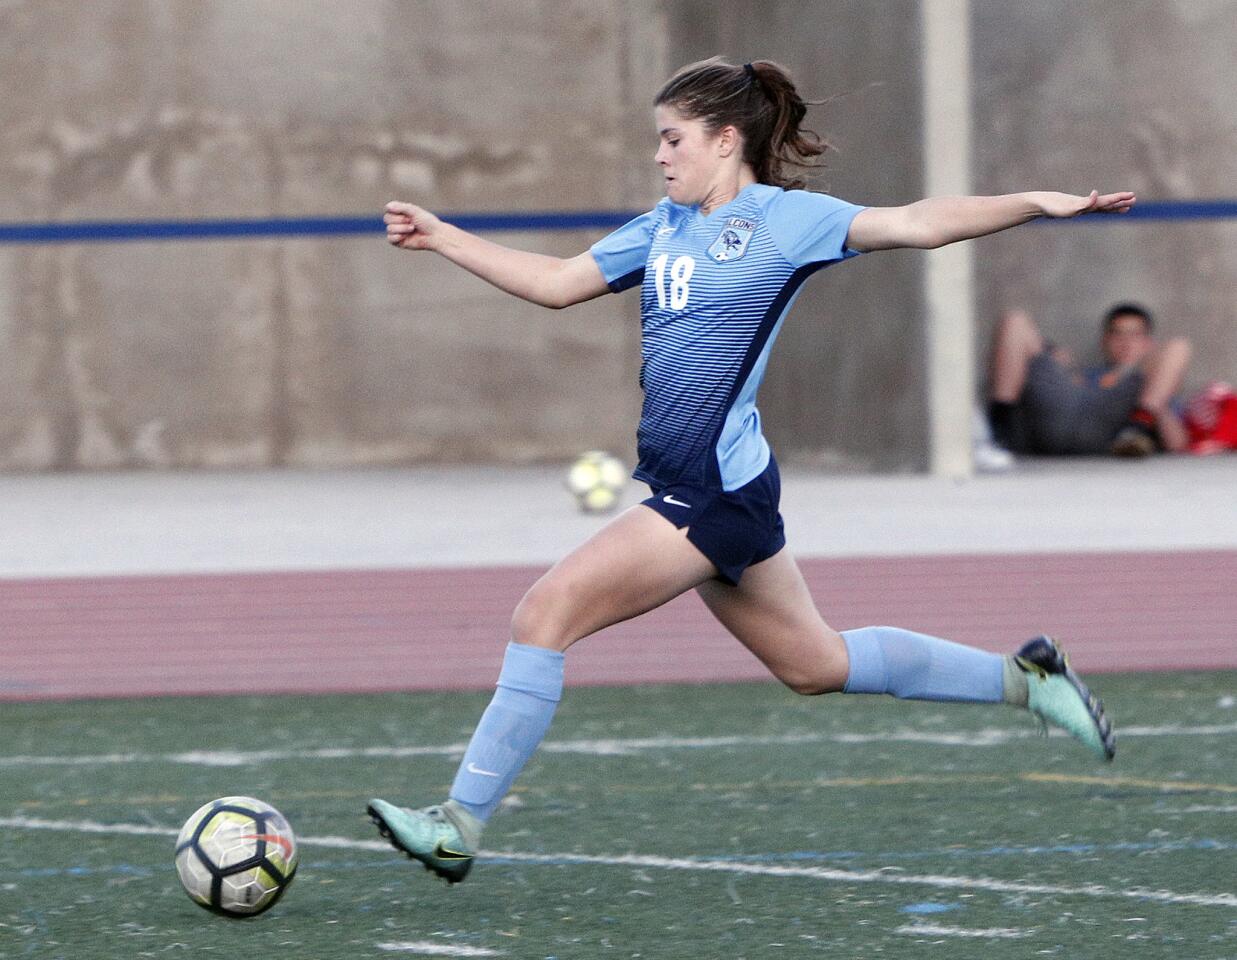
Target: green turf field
{"type": "Point", "coordinates": [658, 822]}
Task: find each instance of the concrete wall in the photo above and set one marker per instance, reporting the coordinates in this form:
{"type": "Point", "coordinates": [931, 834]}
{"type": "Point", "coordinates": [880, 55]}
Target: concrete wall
{"type": "Point", "coordinates": [309, 351]}
{"type": "Point", "coordinates": [1139, 95]}
{"type": "Point", "coordinates": [341, 351]}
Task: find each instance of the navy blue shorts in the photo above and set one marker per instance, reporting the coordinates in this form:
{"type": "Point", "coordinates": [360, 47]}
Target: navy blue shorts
{"type": "Point", "coordinates": [734, 529]}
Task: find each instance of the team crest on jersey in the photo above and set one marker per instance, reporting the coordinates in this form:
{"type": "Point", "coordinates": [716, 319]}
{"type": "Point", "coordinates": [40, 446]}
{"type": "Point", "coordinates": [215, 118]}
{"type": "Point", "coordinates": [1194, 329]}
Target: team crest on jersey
{"type": "Point", "coordinates": [732, 242]}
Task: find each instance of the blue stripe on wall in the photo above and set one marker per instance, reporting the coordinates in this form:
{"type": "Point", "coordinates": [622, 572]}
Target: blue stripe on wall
{"type": "Point", "coordinates": [111, 231]}
{"type": "Point", "coordinates": [1166, 210]}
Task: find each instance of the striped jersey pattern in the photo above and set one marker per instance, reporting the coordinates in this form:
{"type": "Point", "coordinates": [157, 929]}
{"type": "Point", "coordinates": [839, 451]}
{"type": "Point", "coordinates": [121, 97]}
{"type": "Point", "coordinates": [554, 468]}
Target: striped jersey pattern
{"type": "Point", "coordinates": [714, 291]}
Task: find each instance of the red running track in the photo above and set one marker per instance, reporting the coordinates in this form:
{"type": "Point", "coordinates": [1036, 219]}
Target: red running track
{"type": "Point", "coordinates": [347, 631]}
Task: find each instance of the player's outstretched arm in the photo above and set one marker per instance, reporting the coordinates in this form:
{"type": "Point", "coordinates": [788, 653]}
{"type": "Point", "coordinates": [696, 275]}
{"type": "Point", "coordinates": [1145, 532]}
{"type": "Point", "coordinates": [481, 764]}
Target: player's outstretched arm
{"type": "Point", "coordinates": [938, 221]}
{"type": "Point", "coordinates": [550, 281]}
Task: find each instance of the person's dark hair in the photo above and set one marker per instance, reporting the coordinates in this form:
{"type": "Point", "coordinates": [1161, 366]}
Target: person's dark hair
{"type": "Point", "coordinates": [760, 100]}
{"type": "Point", "coordinates": [1129, 310]}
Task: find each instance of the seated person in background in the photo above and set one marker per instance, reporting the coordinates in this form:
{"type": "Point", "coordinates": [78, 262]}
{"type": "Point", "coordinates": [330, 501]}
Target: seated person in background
{"type": "Point", "coordinates": [1040, 402]}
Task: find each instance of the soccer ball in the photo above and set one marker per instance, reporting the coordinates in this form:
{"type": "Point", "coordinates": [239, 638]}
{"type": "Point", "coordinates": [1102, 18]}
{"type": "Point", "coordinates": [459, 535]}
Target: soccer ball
{"type": "Point", "coordinates": [236, 856]}
{"type": "Point", "coordinates": [596, 480]}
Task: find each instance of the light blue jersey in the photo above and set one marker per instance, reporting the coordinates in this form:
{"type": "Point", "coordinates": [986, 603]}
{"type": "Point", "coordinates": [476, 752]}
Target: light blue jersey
{"type": "Point", "coordinates": [715, 290]}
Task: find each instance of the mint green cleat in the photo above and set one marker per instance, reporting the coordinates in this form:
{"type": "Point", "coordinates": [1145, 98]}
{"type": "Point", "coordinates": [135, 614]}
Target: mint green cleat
{"type": "Point", "coordinates": [444, 838]}
{"type": "Point", "coordinates": [1057, 695]}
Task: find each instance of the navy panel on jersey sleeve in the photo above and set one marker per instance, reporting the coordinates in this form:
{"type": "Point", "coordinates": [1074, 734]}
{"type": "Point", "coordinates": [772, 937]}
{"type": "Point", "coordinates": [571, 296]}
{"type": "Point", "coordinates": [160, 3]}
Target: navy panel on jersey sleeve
{"type": "Point", "coordinates": [622, 255]}
{"type": "Point", "coordinates": [811, 227]}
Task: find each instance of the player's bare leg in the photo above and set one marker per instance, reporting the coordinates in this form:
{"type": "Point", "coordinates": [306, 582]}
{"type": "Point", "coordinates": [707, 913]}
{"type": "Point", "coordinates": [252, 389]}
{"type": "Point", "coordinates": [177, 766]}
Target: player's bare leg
{"type": "Point", "coordinates": [635, 563]}
{"type": "Point", "coordinates": [632, 565]}
{"type": "Point", "coordinates": [771, 612]}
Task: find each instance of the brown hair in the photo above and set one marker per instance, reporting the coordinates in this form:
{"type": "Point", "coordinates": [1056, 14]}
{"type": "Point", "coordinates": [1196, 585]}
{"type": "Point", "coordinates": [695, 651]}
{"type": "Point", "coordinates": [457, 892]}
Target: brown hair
{"type": "Point", "coordinates": [760, 100]}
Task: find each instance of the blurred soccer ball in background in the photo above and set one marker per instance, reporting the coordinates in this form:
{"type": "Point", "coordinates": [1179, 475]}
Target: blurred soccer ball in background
{"type": "Point", "coordinates": [596, 480]}
{"type": "Point", "coordinates": [236, 856]}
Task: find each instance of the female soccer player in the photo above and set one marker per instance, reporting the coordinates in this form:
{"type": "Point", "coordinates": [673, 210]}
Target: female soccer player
{"type": "Point", "coordinates": [719, 261]}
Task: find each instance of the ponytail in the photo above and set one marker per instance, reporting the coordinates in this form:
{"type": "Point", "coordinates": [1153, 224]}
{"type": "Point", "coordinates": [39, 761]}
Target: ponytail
{"type": "Point", "coordinates": [759, 99]}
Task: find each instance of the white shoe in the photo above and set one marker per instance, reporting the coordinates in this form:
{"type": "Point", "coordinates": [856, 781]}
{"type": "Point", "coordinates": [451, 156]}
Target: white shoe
{"type": "Point", "coordinates": [988, 456]}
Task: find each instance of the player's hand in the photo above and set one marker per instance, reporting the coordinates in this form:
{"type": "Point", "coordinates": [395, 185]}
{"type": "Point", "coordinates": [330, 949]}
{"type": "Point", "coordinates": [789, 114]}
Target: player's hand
{"type": "Point", "coordinates": [410, 227]}
{"type": "Point", "coordinates": [1068, 205]}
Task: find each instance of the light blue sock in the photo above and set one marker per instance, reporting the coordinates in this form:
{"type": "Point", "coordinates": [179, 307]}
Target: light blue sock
{"type": "Point", "coordinates": [513, 725]}
{"type": "Point", "coordinates": [914, 666]}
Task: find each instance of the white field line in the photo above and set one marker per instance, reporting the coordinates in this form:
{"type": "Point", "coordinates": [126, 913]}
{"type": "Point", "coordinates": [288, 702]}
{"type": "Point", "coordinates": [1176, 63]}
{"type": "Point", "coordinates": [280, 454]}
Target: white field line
{"type": "Point", "coordinates": [889, 875]}
{"type": "Point", "coordinates": [935, 930]}
{"type": "Point", "coordinates": [990, 737]}
{"type": "Point", "coordinates": [1198, 808]}
{"type": "Point", "coordinates": [425, 948]}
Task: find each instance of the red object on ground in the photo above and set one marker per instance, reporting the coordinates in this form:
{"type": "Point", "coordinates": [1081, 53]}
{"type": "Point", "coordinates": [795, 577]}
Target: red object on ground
{"type": "Point", "coordinates": [356, 631]}
{"type": "Point", "coordinates": [1211, 419]}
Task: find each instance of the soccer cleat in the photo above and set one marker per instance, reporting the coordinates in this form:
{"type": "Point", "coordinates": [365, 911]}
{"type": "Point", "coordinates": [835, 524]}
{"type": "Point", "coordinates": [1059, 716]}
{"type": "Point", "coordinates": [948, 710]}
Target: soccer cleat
{"type": "Point", "coordinates": [434, 835]}
{"type": "Point", "coordinates": [1057, 695]}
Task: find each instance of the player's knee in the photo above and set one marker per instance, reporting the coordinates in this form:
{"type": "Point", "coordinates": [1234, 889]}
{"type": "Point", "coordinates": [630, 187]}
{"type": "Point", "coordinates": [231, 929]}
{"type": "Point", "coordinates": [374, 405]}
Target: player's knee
{"type": "Point", "coordinates": [825, 672]}
{"type": "Point", "coordinates": [528, 620]}
{"type": "Point", "coordinates": [807, 688]}
{"type": "Point", "coordinates": [535, 620]}
{"type": "Point", "coordinates": [808, 684]}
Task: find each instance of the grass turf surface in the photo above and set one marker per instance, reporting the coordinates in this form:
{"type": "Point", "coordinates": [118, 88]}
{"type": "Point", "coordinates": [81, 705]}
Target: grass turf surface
{"type": "Point", "coordinates": [663, 822]}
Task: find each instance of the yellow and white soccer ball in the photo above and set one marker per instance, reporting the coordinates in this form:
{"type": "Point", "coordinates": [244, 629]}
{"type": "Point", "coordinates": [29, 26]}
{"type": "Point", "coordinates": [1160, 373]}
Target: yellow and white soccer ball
{"type": "Point", "coordinates": [596, 480]}
{"type": "Point", "coordinates": [236, 856]}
